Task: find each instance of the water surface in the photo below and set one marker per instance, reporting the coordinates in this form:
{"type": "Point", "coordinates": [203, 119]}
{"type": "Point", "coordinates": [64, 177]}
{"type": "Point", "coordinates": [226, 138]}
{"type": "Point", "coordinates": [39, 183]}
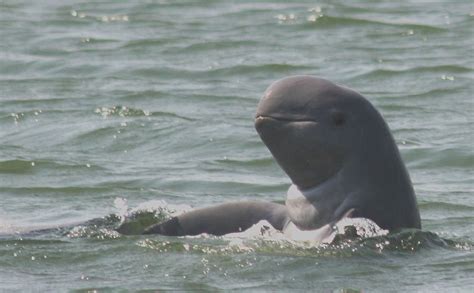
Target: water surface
{"type": "Point", "coordinates": [102, 102]}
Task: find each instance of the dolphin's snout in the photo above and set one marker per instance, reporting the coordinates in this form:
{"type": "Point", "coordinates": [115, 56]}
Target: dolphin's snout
{"type": "Point", "coordinates": [260, 121]}
{"type": "Point", "coordinates": [259, 118]}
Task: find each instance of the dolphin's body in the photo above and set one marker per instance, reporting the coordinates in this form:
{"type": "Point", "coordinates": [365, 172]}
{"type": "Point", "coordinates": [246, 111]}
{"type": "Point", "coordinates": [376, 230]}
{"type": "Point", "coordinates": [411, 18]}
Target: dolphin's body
{"type": "Point", "coordinates": [338, 152]}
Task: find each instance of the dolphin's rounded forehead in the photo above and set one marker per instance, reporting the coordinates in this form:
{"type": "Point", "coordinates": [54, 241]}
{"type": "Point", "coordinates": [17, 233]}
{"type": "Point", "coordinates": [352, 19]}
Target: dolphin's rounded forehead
{"type": "Point", "coordinates": [305, 96]}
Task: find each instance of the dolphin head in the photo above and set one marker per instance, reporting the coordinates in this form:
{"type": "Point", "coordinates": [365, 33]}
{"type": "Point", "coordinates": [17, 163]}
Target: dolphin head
{"type": "Point", "coordinates": [307, 122]}
{"type": "Point", "coordinates": [338, 152]}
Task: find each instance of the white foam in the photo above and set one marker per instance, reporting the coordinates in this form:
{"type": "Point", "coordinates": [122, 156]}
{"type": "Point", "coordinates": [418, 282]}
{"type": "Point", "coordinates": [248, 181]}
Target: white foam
{"type": "Point", "coordinates": [124, 211]}
{"type": "Point", "coordinates": [263, 230]}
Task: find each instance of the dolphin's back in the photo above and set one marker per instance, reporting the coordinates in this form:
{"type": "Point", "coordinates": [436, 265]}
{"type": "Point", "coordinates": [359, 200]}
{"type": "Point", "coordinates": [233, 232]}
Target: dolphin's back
{"type": "Point", "coordinates": [223, 219]}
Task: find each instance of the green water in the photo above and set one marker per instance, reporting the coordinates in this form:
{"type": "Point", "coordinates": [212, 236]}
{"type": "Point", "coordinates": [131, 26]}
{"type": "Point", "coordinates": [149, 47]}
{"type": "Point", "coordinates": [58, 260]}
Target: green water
{"type": "Point", "coordinates": [152, 102]}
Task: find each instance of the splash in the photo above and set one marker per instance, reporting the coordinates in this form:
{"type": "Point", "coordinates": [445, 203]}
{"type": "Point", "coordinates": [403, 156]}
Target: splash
{"type": "Point", "coordinates": [121, 111]}
{"type": "Point", "coordinates": [347, 228]}
{"type": "Point", "coordinates": [134, 221]}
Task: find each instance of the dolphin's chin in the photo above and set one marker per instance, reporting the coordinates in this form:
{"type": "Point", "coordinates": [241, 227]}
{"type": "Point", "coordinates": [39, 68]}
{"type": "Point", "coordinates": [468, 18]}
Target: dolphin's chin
{"type": "Point", "coordinates": [299, 147]}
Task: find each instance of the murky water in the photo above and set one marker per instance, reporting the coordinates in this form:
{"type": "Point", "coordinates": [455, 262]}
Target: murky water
{"type": "Point", "coordinates": [153, 102]}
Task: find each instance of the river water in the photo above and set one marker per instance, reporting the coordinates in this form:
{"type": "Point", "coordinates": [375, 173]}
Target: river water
{"type": "Point", "coordinates": [118, 110]}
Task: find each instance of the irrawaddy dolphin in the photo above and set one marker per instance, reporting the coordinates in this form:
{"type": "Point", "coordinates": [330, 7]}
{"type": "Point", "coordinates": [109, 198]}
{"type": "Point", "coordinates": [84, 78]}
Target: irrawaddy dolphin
{"type": "Point", "coordinates": [339, 154]}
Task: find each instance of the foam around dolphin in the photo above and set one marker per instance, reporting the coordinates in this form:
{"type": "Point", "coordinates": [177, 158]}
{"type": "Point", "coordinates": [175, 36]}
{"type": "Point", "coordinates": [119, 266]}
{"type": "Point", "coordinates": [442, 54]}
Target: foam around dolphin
{"type": "Point", "coordinates": [339, 154]}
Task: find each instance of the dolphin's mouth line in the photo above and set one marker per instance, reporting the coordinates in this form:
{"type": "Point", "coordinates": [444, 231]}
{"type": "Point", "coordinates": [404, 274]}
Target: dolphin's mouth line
{"type": "Point", "coordinates": [283, 119]}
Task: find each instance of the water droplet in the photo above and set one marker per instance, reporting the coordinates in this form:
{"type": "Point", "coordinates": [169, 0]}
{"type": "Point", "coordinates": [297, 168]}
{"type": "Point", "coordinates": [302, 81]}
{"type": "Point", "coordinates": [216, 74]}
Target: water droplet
{"type": "Point", "coordinates": [312, 18]}
{"type": "Point", "coordinates": [446, 77]}
{"type": "Point", "coordinates": [315, 9]}
{"type": "Point", "coordinates": [285, 18]}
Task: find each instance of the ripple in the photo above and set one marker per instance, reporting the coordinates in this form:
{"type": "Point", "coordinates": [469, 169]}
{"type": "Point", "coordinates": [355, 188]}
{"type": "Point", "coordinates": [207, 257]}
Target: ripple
{"type": "Point", "coordinates": [124, 111]}
{"type": "Point", "coordinates": [238, 70]}
{"type": "Point", "coordinates": [142, 44]}
{"type": "Point", "coordinates": [429, 158]}
{"type": "Point", "coordinates": [60, 190]}
{"type": "Point", "coordinates": [29, 166]}
{"type": "Point", "coordinates": [16, 166]}
{"type": "Point", "coordinates": [328, 21]}
{"type": "Point", "coordinates": [420, 96]}
{"type": "Point", "coordinates": [121, 111]}
{"type": "Point", "coordinates": [445, 207]}
{"type": "Point", "coordinates": [387, 73]}
{"type": "Point", "coordinates": [217, 45]}
{"type": "Point", "coordinates": [264, 162]}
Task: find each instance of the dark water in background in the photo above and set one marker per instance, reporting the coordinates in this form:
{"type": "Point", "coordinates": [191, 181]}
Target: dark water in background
{"type": "Point", "coordinates": [154, 100]}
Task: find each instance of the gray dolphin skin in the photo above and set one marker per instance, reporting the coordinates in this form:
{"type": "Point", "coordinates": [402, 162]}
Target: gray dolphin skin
{"type": "Point", "coordinates": [339, 154]}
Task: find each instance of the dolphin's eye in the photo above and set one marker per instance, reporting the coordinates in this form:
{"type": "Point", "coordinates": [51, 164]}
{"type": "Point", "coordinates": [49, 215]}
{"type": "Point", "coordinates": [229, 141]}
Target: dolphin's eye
{"type": "Point", "coordinates": [338, 118]}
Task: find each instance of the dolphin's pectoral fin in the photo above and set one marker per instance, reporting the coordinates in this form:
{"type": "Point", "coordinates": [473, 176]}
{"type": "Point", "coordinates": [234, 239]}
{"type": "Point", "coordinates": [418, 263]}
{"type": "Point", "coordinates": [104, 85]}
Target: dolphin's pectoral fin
{"type": "Point", "coordinates": [222, 219]}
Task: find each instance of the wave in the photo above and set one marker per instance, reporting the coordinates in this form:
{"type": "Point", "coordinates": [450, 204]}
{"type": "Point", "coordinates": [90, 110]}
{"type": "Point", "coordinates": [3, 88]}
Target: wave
{"type": "Point", "coordinates": [122, 111]}
{"type": "Point", "coordinates": [428, 158]}
{"type": "Point", "coordinates": [22, 166]}
{"type": "Point", "coordinates": [60, 190]}
{"type": "Point", "coordinates": [268, 161]}
{"type": "Point", "coordinates": [429, 93]}
{"type": "Point", "coordinates": [16, 166]}
{"type": "Point", "coordinates": [355, 238]}
{"type": "Point", "coordinates": [142, 44]}
{"type": "Point", "coordinates": [328, 21]}
{"type": "Point", "coordinates": [218, 72]}
{"type": "Point", "coordinates": [445, 69]}
{"type": "Point", "coordinates": [445, 206]}
{"type": "Point", "coordinates": [217, 45]}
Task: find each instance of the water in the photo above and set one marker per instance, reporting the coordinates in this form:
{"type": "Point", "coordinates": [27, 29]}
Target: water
{"type": "Point", "coordinates": [123, 107]}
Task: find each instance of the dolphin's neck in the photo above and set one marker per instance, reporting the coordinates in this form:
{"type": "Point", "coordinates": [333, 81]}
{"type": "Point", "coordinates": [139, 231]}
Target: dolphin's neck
{"type": "Point", "coordinates": [314, 207]}
{"type": "Point", "coordinates": [313, 194]}
{"type": "Point", "coordinates": [385, 192]}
